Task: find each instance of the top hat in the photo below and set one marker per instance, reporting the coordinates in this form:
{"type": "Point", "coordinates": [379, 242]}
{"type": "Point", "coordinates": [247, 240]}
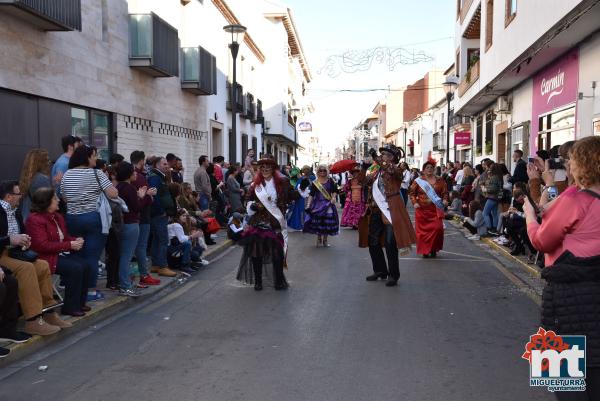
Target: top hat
{"type": "Point", "coordinates": [394, 150]}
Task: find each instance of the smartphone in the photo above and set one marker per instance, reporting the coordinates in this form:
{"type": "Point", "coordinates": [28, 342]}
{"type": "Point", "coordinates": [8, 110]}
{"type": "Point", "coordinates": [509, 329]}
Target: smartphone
{"type": "Point", "coordinates": [531, 159]}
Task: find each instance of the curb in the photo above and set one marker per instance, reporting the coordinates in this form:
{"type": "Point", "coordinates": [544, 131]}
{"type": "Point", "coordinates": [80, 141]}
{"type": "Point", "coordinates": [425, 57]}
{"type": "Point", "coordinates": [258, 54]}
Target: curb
{"type": "Point", "coordinates": [111, 308]}
{"type": "Point", "coordinates": [530, 269]}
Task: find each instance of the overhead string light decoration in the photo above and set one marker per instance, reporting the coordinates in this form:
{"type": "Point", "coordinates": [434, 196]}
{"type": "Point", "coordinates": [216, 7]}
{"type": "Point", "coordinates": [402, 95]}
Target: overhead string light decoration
{"type": "Point", "coordinates": [353, 61]}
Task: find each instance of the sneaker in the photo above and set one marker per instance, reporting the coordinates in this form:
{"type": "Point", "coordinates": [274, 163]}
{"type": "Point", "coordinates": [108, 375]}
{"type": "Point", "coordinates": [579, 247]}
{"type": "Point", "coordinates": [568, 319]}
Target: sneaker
{"type": "Point", "coordinates": [98, 296]}
{"type": "Point", "coordinates": [141, 286]}
{"type": "Point", "coordinates": [40, 327]}
{"type": "Point", "coordinates": [204, 262]}
{"type": "Point", "coordinates": [4, 352]}
{"type": "Point", "coordinates": [166, 272]}
{"type": "Point", "coordinates": [149, 280]}
{"type": "Point", "coordinates": [187, 270]}
{"type": "Point", "coordinates": [129, 292]}
{"type": "Point", "coordinates": [475, 238]}
{"type": "Point", "coordinates": [16, 337]}
{"type": "Point", "coordinates": [53, 319]}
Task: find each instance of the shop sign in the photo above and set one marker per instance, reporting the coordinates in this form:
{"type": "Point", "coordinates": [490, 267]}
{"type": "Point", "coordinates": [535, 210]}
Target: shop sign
{"type": "Point", "coordinates": [554, 87]}
{"type": "Point", "coordinates": [462, 138]}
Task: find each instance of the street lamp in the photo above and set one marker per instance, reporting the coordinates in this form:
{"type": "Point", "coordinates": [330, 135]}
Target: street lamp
{"type": "Point", "coordinates": [449, 87]}
{"type": "Point", "coordinates": [237, 35]}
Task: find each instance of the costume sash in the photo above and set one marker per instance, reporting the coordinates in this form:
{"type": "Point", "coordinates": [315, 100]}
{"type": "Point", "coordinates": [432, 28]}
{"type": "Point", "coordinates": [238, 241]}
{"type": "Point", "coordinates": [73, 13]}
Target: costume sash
{"type": "Point", "coordinates": [430, 192]}
{"type": "Point", "coordinates": [381, 201]}
{"type": "Point", "coordinates": [322, 190]}
{"type": "Point", "coordinates": [271, 206]}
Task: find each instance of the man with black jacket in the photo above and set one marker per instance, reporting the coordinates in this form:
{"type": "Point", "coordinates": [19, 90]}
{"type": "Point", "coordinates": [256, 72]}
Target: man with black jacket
{"type": "Point", "coordinates": [520, 173]}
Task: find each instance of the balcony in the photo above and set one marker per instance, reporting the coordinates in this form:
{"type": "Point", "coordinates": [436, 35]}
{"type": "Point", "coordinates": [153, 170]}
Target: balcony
{"type": "Point", "coordinates": [470, 78]}
{"type": "Point", "coordinates": [48, 15]}
{"type": "Point", "coordinates": [153, 45]}
{"type": "Point", "coordinates": [260, 118]}
{"type": "Point", "coordinates": [199, 71]}
{"type": "Point", "coordinates": [249, 112]}
{"type": "Point", "coordinates": [466, 6]}
{"type": "Point", "coordinates": [239, 97]}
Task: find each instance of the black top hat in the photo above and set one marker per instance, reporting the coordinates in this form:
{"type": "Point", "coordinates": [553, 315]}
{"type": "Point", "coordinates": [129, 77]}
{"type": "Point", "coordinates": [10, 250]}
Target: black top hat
{"type": "Point", "coordinates": [394, 150]}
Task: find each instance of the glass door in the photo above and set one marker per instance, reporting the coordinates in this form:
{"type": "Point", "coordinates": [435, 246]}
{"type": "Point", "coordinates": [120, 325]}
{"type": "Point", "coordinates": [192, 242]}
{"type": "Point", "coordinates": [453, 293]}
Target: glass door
{"type": "Point", "coordinates": [100, 134]}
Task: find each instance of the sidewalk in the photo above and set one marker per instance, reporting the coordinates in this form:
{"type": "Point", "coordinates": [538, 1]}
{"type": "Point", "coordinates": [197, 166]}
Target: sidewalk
{"type": "Point", "coordinates": [110, 306]}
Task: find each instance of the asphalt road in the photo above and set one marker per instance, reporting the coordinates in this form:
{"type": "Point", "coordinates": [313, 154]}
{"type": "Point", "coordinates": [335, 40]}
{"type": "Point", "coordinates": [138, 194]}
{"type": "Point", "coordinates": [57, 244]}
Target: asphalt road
{"type": "Point", "coordinates": [454, 329]}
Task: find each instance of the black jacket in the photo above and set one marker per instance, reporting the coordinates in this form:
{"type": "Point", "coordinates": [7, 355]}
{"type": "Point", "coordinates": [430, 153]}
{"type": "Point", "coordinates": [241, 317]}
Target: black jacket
{"type": "Point", "coordinates": [4, 238]}
{"type": "Point", "coordinates": [571, 301]}
{"type": "Point", "coordinates": [520, 174]}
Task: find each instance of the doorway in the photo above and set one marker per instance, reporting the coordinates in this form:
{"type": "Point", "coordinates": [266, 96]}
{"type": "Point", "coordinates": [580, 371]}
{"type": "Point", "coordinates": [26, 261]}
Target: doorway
{"type": "Point", "coordinates": [217, 142]}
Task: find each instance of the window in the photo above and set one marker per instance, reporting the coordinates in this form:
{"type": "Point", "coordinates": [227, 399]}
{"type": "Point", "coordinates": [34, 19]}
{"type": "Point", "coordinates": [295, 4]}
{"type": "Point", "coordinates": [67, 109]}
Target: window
{"type": "Point", "coordinates": [93, 127]}
{"type": "Point", "coordinates": [479, 136]}
{"type": "Point", "coordinates": [489, 133]}
{"type": "Point", "coordinates": [556, 128]}
{"type": "Point", "coordinates": [511, 12]}
{"type": "Point", "coordinates": [489, 24]}
{"type": "Point", "coordinates": [517, 138]}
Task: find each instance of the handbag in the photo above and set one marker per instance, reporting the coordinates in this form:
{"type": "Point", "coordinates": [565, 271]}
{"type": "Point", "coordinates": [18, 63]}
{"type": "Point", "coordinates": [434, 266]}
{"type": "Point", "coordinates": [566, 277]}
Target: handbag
{"type": "Point", "coordinates": [25, 255]}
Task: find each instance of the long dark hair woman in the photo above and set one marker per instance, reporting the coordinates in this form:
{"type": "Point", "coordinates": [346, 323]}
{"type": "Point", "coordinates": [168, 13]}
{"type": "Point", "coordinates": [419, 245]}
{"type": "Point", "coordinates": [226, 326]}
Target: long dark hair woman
{"type": "Point", "coordinates": [81, 187]}
{"type": "Point", "coordinates": [53, 243]}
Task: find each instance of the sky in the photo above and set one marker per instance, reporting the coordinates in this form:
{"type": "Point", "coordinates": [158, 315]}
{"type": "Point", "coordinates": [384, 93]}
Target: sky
{"type": "Point", "coordinates": [332, 27]}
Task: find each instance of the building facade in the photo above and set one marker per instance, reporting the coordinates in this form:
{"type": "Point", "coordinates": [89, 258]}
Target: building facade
{"type": "Point", "coordinates": [527, 73]}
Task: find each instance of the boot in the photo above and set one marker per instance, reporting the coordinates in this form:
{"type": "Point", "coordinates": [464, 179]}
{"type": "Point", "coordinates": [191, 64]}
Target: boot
{"type": "Point", "coordinates": [166, 272]}
{"type": "Point", "coordinates": [375, 276]}
{"type": "Point", "coordinates": [40, 327]}
{"type": "Point", "coordinates": [53, 319]}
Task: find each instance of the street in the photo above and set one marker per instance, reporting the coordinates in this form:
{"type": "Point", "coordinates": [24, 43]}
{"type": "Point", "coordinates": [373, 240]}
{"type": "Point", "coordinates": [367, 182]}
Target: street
{"type": "Point", "coordinates": [454, 329]}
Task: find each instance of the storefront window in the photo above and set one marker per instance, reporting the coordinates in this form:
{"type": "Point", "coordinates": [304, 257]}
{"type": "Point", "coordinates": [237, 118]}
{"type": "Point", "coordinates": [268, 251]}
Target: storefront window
{"type": "Point", "coordinates": [80, 124]}
{"type": "Point", "coordinates": [479, 133]}
{"type": "Point", "coordinates": [556, 128]}
{"type": "Point", "coordinates": [100, 135]}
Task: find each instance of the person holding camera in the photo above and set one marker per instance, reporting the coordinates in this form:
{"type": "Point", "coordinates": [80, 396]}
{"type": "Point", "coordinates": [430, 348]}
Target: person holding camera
{"type": "Point", "coordinates": [569, 237]}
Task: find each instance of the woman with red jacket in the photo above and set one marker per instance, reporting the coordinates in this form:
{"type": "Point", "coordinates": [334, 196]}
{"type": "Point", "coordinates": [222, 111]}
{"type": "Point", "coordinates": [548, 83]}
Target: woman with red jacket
{"type": "Point", "coordinates": [52, 242]}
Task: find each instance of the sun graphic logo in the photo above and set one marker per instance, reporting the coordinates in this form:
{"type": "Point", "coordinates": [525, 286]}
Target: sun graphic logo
{"type": "Point", "coordinates": [556, 362]}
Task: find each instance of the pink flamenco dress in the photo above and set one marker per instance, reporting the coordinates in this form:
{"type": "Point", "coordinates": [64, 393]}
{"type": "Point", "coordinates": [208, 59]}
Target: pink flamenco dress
{"type": "Point", "coordinates": [355, 204]}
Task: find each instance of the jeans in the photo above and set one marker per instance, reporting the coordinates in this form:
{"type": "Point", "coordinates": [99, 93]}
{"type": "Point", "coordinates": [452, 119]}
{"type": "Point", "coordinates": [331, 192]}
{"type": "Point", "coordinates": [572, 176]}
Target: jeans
{"type": "Point", "coordinates": [113, 252]}
{"type": "Point", "coordinates": [89, 227]}
{"type": "Point", "coordinates": [490, 213]}
{"type": "Point", "coordinates": [404, 193]}
{"type": "Point", "coordinates": [142, 248]}
{"type": "Point", "coordinates": [75, 274]}
{"type": "Point", "coordinates": [160, 240]}
{"type": "Point", "coordinates": [204, 202]}
{"type": "Point", "coordinates": [197, 253]}
{"type": "Point", "coordinates": [186, 252]}
{"type": "Point", "coordinates": [129, 240]}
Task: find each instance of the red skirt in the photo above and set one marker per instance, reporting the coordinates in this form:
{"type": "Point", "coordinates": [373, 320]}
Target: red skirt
{"type": "Point", "coordinates": [429, 222]}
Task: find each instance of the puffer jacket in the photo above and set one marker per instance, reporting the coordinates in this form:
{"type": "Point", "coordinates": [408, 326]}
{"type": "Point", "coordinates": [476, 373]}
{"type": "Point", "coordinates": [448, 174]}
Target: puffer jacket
{"type": "Point", "coordinates": [571, 300]}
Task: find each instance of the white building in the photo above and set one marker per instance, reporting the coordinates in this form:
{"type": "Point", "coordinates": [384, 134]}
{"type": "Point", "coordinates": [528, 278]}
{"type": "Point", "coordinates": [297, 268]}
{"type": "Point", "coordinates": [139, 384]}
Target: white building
{"type": "Point", "coordinates": [144, 75]}
{"type": "Point", "coordinates": [526, 72]}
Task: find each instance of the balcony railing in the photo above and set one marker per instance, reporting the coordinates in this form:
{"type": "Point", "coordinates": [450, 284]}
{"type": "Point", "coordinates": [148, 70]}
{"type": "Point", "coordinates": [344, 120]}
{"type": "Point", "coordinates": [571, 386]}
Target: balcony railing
{"type": "Point", "coordinates": [153, 45]}
{"type": "Point", "coordinates": [260, 118]}
{"type": "Point", "coordinates": [239, 97]}
{"type": "Point", "coordinates": [469, 79]}
{"type": "Point", "coordinates": [49, 15]}
{"type": "Point", "coordinates": [199, 72]}
{"type": "Point", "coordinates": [438, 141]}
{"type": "Point", "coordinates": [249, 107]}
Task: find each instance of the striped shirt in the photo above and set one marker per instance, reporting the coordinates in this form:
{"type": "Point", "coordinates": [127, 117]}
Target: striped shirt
{"type": "Point", "coordinates": [81, 191]}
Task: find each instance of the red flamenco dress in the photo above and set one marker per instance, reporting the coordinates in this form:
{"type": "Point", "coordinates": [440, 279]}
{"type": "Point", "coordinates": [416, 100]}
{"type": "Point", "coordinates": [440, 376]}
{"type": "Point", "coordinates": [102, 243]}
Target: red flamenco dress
{"type": "Point", "coordinates": [429, 220]}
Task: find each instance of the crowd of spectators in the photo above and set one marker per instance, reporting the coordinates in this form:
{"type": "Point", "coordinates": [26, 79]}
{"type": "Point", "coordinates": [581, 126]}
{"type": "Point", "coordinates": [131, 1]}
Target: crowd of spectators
{"type": "Point", "coordinates": [64, 226]}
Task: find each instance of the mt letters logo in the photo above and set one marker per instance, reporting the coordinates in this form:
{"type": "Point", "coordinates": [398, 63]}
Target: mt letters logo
{"type": "Point", "coordinates": [556, 362]}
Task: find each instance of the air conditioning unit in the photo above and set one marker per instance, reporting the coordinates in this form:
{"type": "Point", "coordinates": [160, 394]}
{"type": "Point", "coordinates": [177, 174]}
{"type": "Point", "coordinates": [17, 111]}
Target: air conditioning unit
{"type": "Point", "coordinates": [502, 105]}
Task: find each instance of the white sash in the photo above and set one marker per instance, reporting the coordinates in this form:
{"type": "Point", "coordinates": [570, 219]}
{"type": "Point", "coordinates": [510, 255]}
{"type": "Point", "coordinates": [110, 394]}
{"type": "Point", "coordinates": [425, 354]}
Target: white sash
{"type": "Point", "coordinates": [430, 192]}
{"type": "Point", "coordinates": [271, 206]}
{"type": "Point", "coordinates": [381, 201]}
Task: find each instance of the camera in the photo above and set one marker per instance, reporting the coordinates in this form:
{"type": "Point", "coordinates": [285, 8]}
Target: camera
{"type": "Point", "coordinates": [556, 164]}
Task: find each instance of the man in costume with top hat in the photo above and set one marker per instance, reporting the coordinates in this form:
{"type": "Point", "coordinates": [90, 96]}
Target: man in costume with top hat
{"type": "Point", "coordinates": [386, 223]}
{"type": "Point", "coordinates": [265, 240]}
